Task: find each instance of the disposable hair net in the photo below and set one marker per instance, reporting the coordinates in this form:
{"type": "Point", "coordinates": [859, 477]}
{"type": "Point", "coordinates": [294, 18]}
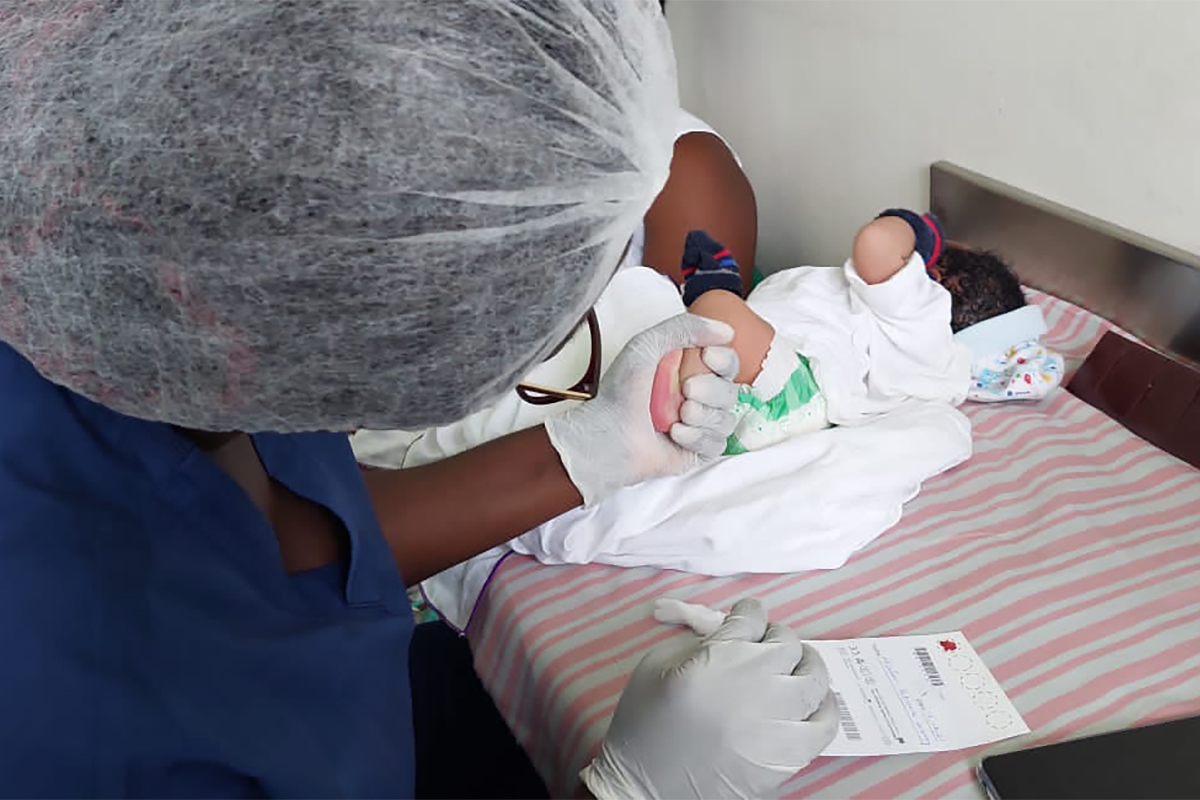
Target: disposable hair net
{"type": "Point", "coordinates": [233, 214]}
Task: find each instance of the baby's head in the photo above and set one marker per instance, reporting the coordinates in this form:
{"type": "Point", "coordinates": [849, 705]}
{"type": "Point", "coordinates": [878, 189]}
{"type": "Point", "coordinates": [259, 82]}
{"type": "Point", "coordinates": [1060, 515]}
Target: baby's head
{"type": "Point", "coordinates": [980, 283]}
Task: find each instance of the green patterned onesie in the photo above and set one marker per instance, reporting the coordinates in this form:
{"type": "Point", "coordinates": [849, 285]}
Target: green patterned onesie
{"type": "Point", "coordinates": [784, 401]}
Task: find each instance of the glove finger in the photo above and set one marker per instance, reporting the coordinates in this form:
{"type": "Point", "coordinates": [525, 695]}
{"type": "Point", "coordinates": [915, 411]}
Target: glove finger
{"type": "Point", "coordinates": [698, 415]}
{"type": "Point", "coordinates": [711, 390]}
{"type": "Point", "coordinates": [721, 360]}
{"type": "Point", "coordinates": [812, 666]}
{"type": "Point", "coordinates": [824, 721]}
{"type": "Point", "coordinates": [809, 681]}
{"type": "Point", "coordinates": [791, 743]}
{"type": "Point", "coordinates": [683, 331]}
{"type": "Point", "coordinates": [704, 442]}
{"type": "Point", "coordinates": [782, 659]}
{"type": "Point", "coordinates": [777, 632]}
{"type": "Point", "coordinates": [797, 660]}
{"type": "Point", "coordinates": [792, 697]}
{"type": "Point", "coordinates": [665, 657]}
{"type": "Point", "coordinates": [745, 622]}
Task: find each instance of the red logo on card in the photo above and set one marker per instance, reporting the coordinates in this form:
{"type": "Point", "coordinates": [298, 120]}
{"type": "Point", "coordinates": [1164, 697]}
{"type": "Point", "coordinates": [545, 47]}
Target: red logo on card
{"type": "Point", "coordinates": [948, 645]}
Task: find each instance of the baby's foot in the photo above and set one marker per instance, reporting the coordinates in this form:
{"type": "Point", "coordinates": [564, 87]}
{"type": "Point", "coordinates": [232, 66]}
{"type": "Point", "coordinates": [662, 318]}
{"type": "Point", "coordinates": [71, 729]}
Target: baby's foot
{"type": "Point", "coordinates": [708, 265]}
{"type": "Point", "coordinates": [927, 229]}
{"type": "Point", "coordinates": [666, 394]}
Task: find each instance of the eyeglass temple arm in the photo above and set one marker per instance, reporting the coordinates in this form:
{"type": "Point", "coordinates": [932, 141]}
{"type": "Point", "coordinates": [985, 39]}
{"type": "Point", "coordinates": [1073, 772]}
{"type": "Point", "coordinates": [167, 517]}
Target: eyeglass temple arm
{"type": "Point", "coordinates": [569, 394]}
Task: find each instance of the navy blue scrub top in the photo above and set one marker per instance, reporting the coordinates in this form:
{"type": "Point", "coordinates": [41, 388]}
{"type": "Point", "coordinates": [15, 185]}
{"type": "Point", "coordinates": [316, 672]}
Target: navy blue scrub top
{"type": "Point", "coordinates": [151, 643]}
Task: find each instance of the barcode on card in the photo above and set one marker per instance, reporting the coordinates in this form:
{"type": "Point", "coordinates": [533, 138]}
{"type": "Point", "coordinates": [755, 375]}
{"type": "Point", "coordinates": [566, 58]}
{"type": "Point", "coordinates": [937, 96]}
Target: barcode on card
{"type": "Point", "coordinates": [849, 726]}
{"type": "Point", "coordinates": [931, 672]}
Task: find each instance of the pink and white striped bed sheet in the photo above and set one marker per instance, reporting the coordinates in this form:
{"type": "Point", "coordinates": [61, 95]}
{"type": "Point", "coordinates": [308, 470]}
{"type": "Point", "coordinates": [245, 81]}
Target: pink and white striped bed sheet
{"type": "Point", "coordinates": [1066, 549]}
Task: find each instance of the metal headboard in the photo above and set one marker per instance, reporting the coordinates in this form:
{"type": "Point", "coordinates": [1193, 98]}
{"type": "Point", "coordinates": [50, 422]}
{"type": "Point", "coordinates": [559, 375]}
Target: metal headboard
{"type": "Point", "coordinates": [1146, 287]}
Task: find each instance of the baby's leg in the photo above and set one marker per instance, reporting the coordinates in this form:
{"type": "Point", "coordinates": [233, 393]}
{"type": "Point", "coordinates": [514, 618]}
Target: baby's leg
{"type": "Point", "coordinates": [712, 289]}
{"type": "Point", "coordinates": [708, 266]}
{"type": "Point", "coordinates": [752, 335]}
{"type": "Point", "coordinates": [886, 243]}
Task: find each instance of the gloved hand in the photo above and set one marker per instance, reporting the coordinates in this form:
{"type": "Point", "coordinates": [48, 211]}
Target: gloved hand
{"type": "Point", "coordinates": [734, 714]}
{"type": "Point", "coordinates": [609, 442]}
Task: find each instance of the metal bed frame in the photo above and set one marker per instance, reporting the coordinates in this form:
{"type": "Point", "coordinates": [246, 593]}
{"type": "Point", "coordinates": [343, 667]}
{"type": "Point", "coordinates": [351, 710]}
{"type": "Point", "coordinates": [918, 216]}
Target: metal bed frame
{"type": "Point", "coordinates": [1146, 287]}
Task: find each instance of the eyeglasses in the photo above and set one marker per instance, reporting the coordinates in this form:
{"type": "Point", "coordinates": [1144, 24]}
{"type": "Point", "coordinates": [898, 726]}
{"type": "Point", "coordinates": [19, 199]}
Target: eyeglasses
{"type": "Point", "coordinates": [584, 389]}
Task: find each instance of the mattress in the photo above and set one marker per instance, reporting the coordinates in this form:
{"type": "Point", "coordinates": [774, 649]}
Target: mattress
{"type": "Point", "coordinates": [1067, 550]}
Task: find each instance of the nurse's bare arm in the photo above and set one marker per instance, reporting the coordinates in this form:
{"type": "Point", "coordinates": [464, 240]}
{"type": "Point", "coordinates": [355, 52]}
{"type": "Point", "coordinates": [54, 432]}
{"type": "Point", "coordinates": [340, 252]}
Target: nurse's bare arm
{"type": "Point", "coordinates": [440, 514]}
{"type": "Point", "coordinates": [706, 190]}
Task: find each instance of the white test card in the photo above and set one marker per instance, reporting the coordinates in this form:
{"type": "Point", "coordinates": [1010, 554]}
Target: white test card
{"type": "Point", "coordinates": [914, 694]}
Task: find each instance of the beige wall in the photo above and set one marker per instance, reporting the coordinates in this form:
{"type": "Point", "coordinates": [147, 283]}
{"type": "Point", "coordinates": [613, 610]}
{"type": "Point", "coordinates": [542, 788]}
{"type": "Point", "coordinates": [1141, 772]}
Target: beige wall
{"type": "Point", "coordinates": [837, 107]}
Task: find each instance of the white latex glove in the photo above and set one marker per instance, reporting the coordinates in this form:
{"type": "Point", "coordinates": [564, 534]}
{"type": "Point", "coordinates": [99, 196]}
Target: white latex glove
{"type": "Point", "coordinates": [734, 714]}
{"type": "Point", "coordinates": [609, 442]}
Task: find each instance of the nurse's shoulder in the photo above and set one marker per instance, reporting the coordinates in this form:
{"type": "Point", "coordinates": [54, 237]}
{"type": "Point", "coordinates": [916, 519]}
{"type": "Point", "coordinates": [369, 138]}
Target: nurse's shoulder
{"type": "Point", "coordinates": [78, 715]}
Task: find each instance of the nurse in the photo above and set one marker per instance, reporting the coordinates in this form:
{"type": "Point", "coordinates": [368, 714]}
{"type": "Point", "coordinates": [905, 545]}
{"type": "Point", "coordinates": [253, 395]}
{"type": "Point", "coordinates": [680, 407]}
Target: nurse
{"type": "Point", "coordinates": [232, 230]}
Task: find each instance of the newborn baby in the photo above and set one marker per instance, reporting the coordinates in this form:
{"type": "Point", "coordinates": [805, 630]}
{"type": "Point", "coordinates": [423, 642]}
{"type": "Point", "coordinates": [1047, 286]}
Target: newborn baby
{"type": "Point", "coordinates": [908, 317]}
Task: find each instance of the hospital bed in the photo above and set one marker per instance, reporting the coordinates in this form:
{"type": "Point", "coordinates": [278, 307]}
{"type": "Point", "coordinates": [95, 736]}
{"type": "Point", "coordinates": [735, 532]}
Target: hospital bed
{"type": "Point", "coordinates": [1067, 549]}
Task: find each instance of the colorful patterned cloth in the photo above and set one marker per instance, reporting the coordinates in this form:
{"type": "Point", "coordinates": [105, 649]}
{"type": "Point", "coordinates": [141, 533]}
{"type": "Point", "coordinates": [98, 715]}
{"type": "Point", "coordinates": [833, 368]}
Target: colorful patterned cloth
{"type": "Point", "coordinates": [1025, 371]}
{"type": "Point", "coordinates": [1008, 359]}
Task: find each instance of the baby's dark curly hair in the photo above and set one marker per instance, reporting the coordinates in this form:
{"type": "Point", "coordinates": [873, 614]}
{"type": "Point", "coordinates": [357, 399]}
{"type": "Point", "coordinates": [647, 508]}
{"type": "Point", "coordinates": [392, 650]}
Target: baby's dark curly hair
{"type": "Point", "coordinates": [980, 283]}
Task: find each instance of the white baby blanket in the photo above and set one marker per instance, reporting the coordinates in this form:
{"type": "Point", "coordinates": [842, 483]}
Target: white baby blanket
{"type": "Point", "coordinates": [807, 503]}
